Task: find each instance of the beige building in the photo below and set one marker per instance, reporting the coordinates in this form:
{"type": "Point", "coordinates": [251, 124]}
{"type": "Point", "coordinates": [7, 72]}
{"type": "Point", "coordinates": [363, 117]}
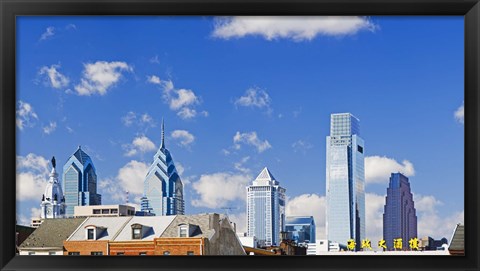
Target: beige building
{"type": "Point", "coordinates": [103, 210]}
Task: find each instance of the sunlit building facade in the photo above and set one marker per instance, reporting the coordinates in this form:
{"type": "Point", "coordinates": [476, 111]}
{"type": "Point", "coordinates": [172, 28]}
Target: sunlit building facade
{"type": "Point", "coordinates": [399, 217]}
{"type": "Point", "coordinates": [265, 209]}
{"type": "Point", "coordinates": [345, 180]}
{"type": "Point", "coordinates": [80, 182]}
{"type": "Point", "coordinates": [163, 188]}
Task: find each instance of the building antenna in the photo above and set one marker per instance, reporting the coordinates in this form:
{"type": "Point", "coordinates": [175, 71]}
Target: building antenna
{"type": "Point", "coordinates": [126, 194]}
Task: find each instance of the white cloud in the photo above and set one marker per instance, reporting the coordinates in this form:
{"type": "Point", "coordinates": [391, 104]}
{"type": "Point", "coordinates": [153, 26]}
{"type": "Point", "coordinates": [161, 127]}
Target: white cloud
{"type": "Point", "coordinates": [132, 175]}
{"type": "Point", "coordinates": [374, 208]}
{"type": "Point", "coordinates": [301, 146]}
{"type": "Point", "coordinates": [252, 139]}
{"type": "Point", "coordinates": [239, 165]}
{"type": "Point", "coordinates": [182, 101]}
{"type": "Point", "coordinates": [138, 119]}
{"type": "Point", "coordinates": [49, 32]}
{"type": "Point", "coordinates": [98, 77]}
{"type": "Point", "coordinates": [155, 60]}
{"type": "Point", "coordinates": [50, 128]}
{"type": "Point", "coordinates": [309, 205]}
{"type": "Point", "coordinates": [240, 220]}
{"type": "Point", "coordinates": [25, 115]}
{"type": "Point", "coordinates": [140, 144]}
{"type": "Point", "coordinates": [378, 169]}
{"type": "Point", "coordinates": [71, 26]}
{"type": "Point", "coordinates": [255, 97]}
{"type": "Point", "coordinates": [290, 27]}
{"type": "Point", "coordinates": [53, 77]}
{"type": "Point", "coordinates": [460, 114]}
{"type": "Point", "coordinates": [154, 79]}
{"type": "Point", "coordinates": [185, 137]}
{"type": "Point", "coordinates": [217, 189]}
{"type": "Point", "coordinates": [32, 176]}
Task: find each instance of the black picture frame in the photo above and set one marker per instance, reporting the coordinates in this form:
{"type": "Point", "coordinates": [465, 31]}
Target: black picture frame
{"type": "Point", "coordinates": [470, 9]}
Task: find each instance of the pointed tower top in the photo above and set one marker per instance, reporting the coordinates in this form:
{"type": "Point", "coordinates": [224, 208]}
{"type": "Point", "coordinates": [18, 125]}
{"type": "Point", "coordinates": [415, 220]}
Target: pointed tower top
{"type": "Point", "coordinates": [162, 146]}
{"type": "Point", "coordinates": [53, 162]}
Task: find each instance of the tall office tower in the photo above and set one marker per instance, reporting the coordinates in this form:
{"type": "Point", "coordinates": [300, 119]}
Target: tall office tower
{"type": "Point", "coordinates": [399, 218]}
{"type": "Point", "coordinates": [265, 209]}
{"type": "Point", "coordinates": [80, 182]}
{"type": "Point", "coordinates": [345, 179]}
{"type": "Point", "coordinates": [302, 228]}
{"type": "Point", "coordinates": [163, 188]}
{"type": "Point", "coordinates": [53, 201]}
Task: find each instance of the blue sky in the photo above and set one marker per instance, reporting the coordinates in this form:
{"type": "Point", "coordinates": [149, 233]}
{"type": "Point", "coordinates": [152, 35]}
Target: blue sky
{"type": "Point", "coordinates": [238, 94]}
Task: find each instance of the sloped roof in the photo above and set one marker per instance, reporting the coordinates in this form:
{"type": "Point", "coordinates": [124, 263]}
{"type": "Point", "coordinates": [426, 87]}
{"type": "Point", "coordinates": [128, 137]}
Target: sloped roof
{"type": "Point", "coordinates": [458, 239]}
{"type": "Point", "coordinates": [112, 226]}
{"type": "Point", "coordinates": [201, 220]}
{"type": "Point", "coordinates": [265, 175]}
{"type": "Point", "coordinates": [81, 156]}
{"type": "Point", "coordinates": [157, 224]}
{"type": "Point", "coordinates": [52, 232]}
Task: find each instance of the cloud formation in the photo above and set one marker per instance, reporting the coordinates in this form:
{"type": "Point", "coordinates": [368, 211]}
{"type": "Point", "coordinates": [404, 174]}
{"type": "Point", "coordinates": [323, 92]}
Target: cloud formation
{"type": "Point", "coordinates": [140, 144]}
{"type": "Point", "coordinates": [301, 146]}
{"type": "Point", "coordinates": [217, 189]}
{"type": "Point", "coordinates": [309, 205]}
{"type": "Point", "coordinates": [379, 168]}
{"type": "Point", "coordinates": [53, 77]}
{"type": "Point", "coordinates": [183, 101]}
{"type": "Point", "coordinates": [185, 137]}
{"type": "Point", "coordinates": [32, 176]}
{"type": "Point", "coordinates": [50, 128]}
{"type": "Point", "coordinates": [140, 120]}
{"type": "Point", "coordinates": [290, 27]}
{"type": "Point", "coordinates": [255, 97]}
{"type": "Point", "coordinates": [100, 76]}
{"type": "Point", "coordinates": [460, 114]}
{"type": "Point", "coordinates": [49, 32]}
{"type": "Point", "coordinates": [25, 115]}
{"type": "Point", "coordinates": [250, 138]}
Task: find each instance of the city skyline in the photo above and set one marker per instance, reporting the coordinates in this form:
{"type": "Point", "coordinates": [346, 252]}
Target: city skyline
{"type": "Point", "coordinates": [244, 109]}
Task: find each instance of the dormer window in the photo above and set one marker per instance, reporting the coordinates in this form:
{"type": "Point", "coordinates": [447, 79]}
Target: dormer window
{"type": "Point", "coordinates": [93, 232]}
{"type": "Point", "coordinates": [183, 230]}
{"type": "Point", "coordinates": [90, 234]}
{"type": "Point", "coordinates": [137, 231]}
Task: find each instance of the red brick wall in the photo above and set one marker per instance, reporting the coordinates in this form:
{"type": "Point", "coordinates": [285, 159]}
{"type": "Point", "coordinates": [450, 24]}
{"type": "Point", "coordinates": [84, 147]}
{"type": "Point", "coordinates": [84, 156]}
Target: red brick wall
{"type": "Point", "coordinates": [85, 247]}
{"type": "Point", "coordinates": [132, 247]}
{"type": "Point", "coordinates": [179, 246]}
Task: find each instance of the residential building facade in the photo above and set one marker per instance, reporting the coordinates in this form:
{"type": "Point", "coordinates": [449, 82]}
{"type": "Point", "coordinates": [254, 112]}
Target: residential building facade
{"type": "Point", "coordinates": [302, 228]}
{"type": "Point", "coordinates": [80, 182]}
{"type": "Point", "coordinates": [163, 188]}
{"type": "Point", "coordinates": [345, 180]}
{"type": "Point", "coordinates": [104, 210]}
{"type": "Point", "coordinates": [265, 209]}
{"type": "Point", "coordinates": [399, 218]}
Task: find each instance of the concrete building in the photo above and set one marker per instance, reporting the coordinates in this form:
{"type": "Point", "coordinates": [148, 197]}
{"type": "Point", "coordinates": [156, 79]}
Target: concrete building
{"type": "Point", "coordinates": [163, 188]}
{"type": "Point", "coordinates": [104, 210]}
{"type": "Point", "coordinates": [318, 247]}
{"type": "Point", "coordinates": [399, 218]}
{"type": "Point", "coordinates": [247, 241]}
{"type": "Point", "coordinates": [35, 222]}
{"type": "Point", "coordinates": [265, 209]}
{"type": "Point", "coordinates": [48, 238]}
{"type": "Point", "coordinates": [345, 181]}
{"type": "Point", "coordinates": [53, 201]}
{"type": "Point", "coordinates": [80, 182]}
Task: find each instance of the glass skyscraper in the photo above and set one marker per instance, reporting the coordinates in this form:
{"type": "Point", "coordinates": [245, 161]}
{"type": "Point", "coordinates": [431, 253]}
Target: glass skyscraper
{"type": "Point", "coordinates": [163, 188]}
{"type": "Point", "coordinates": [399, 218]}
{"type": "Point", "coordinates": [80, 182]}
{"type": "Point", "coordinates": [265, 209]}
{"type": "Point", "coordinates": [345, 179]}
{"type": "Point", "coordinates": [301, 228]}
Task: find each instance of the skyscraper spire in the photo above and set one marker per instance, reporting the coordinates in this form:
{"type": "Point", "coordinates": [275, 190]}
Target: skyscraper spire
{"type": "Point", "coordinates": [162, 146]}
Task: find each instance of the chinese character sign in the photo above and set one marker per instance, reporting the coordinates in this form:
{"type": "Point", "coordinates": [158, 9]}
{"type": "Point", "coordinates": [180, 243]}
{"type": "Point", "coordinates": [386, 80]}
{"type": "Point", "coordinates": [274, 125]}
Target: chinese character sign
{"type": "Point", "coordinates": [382, 244]}
{"type": "Point", "coordinates": [366, 244]}
{"type": "Point", "coordinates": [413, 243]}
{"type": "Point", "coordinates": [397, 243]}
{"type": "Point", "coordinates": [351, 244]}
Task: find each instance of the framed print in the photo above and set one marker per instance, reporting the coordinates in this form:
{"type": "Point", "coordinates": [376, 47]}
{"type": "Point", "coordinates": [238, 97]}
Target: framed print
{"type": "Point", "coordinates": [239, 135]}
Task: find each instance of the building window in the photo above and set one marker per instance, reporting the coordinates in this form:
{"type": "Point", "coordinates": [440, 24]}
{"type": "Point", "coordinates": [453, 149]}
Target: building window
{"type": "Point", "coordinates": [105, 211]}
{"type": "Point", "coordinates": [114, 211]}
{"type": "Point", "coordinates": [96, 211]}
{"type": "Point", "coordinates": [52, 253]}
{"type": "Point", "coordinates": [142, 253]}
{"type": "Point", "coordinates": [96, 253]}
{"type": "Point", "coordinates": [74, 253]}
{"type": "Point", "coordinates": [183, 231]}
{"type": "Point", "coordinates": [166, 253]}
{"type": "Point", "coordinates": [120, 253]}
{"type": "Point", "coordinates": [90, 234]}
{"type": "Point", "coordinates": [190, 253]}
{"type": "Point", "coordinates": [31, 253]}
{"type": "Point", "coordinates": [360, 149]}
{"type": "Point", "coordinates": [136, 233]}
